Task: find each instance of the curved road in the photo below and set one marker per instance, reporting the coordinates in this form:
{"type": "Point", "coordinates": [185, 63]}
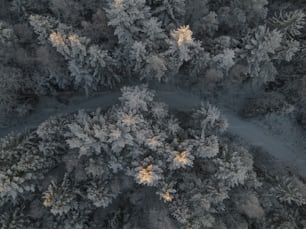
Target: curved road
{"type": "Point", "coordinates": [293, 156]}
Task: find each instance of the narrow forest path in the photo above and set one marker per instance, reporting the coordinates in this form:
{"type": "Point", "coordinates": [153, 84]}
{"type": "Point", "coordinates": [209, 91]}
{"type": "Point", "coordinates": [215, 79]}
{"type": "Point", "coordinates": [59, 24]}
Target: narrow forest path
{"type": "Point", "coordinates": [293, 156]}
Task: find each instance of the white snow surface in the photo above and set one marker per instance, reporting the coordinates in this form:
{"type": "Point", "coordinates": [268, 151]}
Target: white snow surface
{"type": "Point", "coordinates": [287, 145]}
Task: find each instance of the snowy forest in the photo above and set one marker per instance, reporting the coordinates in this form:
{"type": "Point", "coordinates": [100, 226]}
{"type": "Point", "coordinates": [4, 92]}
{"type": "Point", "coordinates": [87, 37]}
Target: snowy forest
{"type": "Point", "coordinates": [152, 114]}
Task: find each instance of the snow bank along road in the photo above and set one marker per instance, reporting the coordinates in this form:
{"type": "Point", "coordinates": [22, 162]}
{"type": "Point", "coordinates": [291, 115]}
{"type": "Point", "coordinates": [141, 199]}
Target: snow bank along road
{"type": "Point", "coordinates": [292, 156]}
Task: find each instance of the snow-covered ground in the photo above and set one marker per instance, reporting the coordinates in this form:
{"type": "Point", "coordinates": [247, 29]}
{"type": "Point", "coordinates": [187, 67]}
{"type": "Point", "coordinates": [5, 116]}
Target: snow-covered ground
{"type": "Point", "coordinates": [287, 147]}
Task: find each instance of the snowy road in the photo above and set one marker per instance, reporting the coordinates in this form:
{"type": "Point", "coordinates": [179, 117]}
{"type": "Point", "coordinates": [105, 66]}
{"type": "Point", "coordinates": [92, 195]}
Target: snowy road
{"type": "Point", "coordinates": [293, 156]}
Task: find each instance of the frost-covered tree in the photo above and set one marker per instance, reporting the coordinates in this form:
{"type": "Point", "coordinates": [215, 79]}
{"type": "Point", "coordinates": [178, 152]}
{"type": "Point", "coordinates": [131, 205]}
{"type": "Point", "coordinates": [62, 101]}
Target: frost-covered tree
{"type": "Point", "coordinates": [141, 37]}
{"type": "Point", "coordinates": [59, 198]}
{"type": "Point", "coordinates": [288, 191]}
{"type": "Point", "coordinates": [183, 48]}
{"type": "Point", "coordinates": [89, 65]}
{"type": "Point", "coordinates": [136, 143]}
{"type": "Point", "coordinates": [80, 169]}
{"type": "Point", "coordinates": [260, 46]}
{"type": "Point", "coordinates": [290, 23]}
{"type": "Point", "coordinates": [127, 17]}
{"type": "Point", "coordinates": [170, 12]}
{"type": "Point", "coordinates": [42, 26]}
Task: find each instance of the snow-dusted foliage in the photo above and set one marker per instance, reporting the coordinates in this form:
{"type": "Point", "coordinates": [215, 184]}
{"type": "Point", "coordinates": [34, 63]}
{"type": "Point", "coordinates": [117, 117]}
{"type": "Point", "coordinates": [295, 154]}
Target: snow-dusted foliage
{"type": "Point", "coordinates": [289, 192]}
{"type": "Point", "coordinates": [177, 169]}
{"type": "Point", "coordinates": [141, 37]}
{"type": "Point", "coordinates": [13, 218]}
{"type": "Point", "coordinates": [260, 45]}
{"type": "Point", "coordinates": [102, 44]}
{"type": "Point", "coordinates": [183, 47]}
{"type": "Point", "coordinates": [135, 146]}
{"type": "Point", "coordinates": [290, 23]}
{"type": "Point", "coordinates": [89, 65]}
{"type": "Point", "coordinates": [124, 141]}
{"type": "Point", "coordinates": [149, 40]}
{"type": "Point", "coordinates": [24, 162]}
{"type": "Point", "coordinates": [42, 26]}
{"type": "Point", "coordinates": [170, 12]}
{"type": "Point", "coordinates": [59, 198]}
{"type": "Point", "coordinates": [128, 18]}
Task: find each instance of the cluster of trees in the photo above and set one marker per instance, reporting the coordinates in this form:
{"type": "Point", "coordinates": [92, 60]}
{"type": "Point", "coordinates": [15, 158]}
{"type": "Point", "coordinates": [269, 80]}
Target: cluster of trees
{"type": "Point", "coordinates": [62, 174]}
{"type": "Point", "coordinates": [92, 45]}
{"type": "Point", "coordinates": [99, 169]}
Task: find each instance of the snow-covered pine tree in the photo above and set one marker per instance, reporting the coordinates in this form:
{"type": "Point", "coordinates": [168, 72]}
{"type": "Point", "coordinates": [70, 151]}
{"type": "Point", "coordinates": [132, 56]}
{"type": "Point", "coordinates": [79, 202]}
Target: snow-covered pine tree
{"type": "Point", "coordinates": [90, 66]}
{"type": "Point", "coordinates": [170, 12]}
{"type": "Point", "coordinates": [141, 38]}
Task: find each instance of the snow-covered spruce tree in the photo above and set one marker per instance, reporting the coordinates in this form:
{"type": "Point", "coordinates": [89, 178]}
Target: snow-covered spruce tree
{"type": "Point", "coordinates": [25, 160]}
{"type": "Point", "coordinates": [261, 46]}
{"type": "Point", "coordinates": [225, 34]}
{"type": "Point", "coordinates": [185, 50]}
{"type": "Point", "coordinates": [106, 155]}
{"type": "Point", "coordinates": [128, 18]}
{"type": "Point", "coordinates": [254, 38]}
{"type": "Point", "coordinates": [58, 198]}
{"type": "Point", "coordinates": [42, 26]}
{"type": "Point", "coordinates": [13, 218]}
{"type": "Point", "coordinates": [150, 47]}
{"type": "Point", "coordinates": [289, 191]}
{"type": "Point", "coordinates": [170, 12]}
{"type": "Point", "coordinates": [290, 24]}
{"type": "Point", "coordinates": [283, 200]}
{"type": "Point", "coordinates": [141, 37]}
{"type": "Point", "coordinates": [265, 47]}
{"type": "Point", "coordinates": [90, 66]}
{"type": "Point", "coordinates": [181, 44]}
{"type": "Point", "coordinates": [255, 10]}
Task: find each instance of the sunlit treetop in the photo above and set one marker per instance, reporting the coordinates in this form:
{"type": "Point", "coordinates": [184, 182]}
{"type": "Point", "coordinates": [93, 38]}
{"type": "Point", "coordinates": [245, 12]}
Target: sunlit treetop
{"type": "Point", "coordinates": [57, 39]}
{"type": "Point", "coordinates": [182, 158]}
{"type": "Point", "coordinates": [118, 2]}
{"type": "Point", "coordinates": [145, 175]}
{"type": "Point", "coordinates": [183, 35]}
{"type": "Point", "coordinates": [74, 39]}
{"type": "Point", "coordinates": [167, 196]}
